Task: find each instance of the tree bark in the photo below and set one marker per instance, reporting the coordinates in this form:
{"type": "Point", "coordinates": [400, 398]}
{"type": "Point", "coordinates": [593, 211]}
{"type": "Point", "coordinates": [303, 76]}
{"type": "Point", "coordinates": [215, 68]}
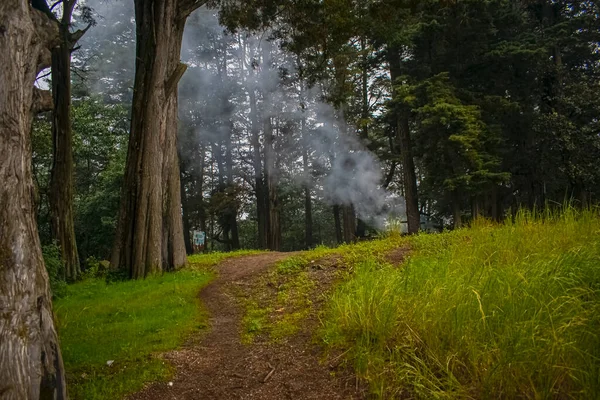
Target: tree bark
{"type": "Point", "coordinates": [31, 365]}
{"type": "Point", "coordinates": [259, 183]}
{"type": "Point", "coordinates": [274, 226]}
{"type": "Point", "coordinates": [232, 211]}
{"type": "Point", "coordinates": [185, 209]}
{"type": "Point", "coordinates": [150, 229]}
{"type": "Point", "coordinates": [361, 226]}
{"type": "Point", "coordinates": [404, 140]}
{"type": "Point", "coordinates": [349, 223]}
{"type": "Point", "coordinates": [308, 222]}
{"type": "Point", "coordinates": [61, 176]}
{"type": "Point", "coordinates": [338, 224]}
{"type": "Point", "coordinates": [223, 208]}
{"type": "Point", "coordinates": [456, 210]}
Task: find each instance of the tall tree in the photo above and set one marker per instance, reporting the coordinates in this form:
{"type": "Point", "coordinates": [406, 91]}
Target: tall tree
{"type": "Point", "coordinates": [150, 228]}
{"type": "Point", "coordinates": [31, 365]}
{"type": "Point", "coordinates": [61, 176]}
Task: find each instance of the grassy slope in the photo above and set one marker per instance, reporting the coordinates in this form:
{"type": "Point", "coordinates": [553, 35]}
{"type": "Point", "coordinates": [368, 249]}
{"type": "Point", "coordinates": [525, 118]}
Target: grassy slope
{"type": "Point", "coordinates": [281, 300]}
{"type": "Point", "coordinates": [129, 322]}
{"type": "Point", "coordinates": [507, 311]}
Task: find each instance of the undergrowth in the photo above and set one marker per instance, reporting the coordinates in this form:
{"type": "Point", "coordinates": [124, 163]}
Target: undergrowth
{"type": "Point", "coordinates": [492, 311]}
{"type": "Point", "coordinates": [127, 324]}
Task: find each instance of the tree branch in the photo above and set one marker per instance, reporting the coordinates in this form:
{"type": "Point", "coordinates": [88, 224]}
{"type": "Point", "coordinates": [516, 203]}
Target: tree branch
{"type": "Point", "coordinates": [171, 83]}
{"type": "Point", "coordinates": [186, 7]}
{"type": "Point", "coordinates": [75, 36]}
{"type": "Point", "coordinates": [55, 4]}
{"type": "Point", "coordinates": [42, 101]}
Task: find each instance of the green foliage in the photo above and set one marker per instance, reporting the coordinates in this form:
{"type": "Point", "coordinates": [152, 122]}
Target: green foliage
{"type": "Point", "coordinates": [55, 269]}
{"type": "Point", "coordinates": [100, 149]}
{"type": "Point", "coordinates": [491, 311]}
{"type": "Point", "coordinates": [130, 323]}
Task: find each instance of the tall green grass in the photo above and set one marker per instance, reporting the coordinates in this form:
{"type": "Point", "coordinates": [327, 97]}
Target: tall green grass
{"type": "Point", "coordinates": [510, 311]}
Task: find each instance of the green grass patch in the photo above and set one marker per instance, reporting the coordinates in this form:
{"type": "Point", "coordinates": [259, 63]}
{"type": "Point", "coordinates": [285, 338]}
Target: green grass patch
{"type": "Point", "coordinates": [284, 297]}
{"type": "Point", "coordinates": [211, 259]}
{"type": "Point", "coordinates": [130, 322]}
{"type": "Point", "coordinates": [509, 311]}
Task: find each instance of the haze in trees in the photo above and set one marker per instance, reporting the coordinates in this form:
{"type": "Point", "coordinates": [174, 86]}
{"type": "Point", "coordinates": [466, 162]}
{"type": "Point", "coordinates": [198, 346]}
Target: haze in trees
{"type": "Point", "coordinates": [295, 107]}
{"type": "Point", "coordinates": [272, 124]}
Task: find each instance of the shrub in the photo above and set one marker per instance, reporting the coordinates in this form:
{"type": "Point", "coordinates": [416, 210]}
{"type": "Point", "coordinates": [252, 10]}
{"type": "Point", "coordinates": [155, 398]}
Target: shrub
{"type": "Point", "coordinates": [56, 270]}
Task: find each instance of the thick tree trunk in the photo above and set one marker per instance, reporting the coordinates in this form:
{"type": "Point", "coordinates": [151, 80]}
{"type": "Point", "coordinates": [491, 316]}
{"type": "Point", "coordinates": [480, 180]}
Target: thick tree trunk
{"type": "Point", "coordinates": [404, 140]}
{"type": "Point", "coordinates": [61, 177]}
{"type": "Point", "coordinates": [31, 365]}
{"type": "Point", "coordinates": [150, 229]}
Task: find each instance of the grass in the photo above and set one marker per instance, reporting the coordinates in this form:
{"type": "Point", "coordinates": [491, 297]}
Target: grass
{"type": "Point", "coordinates": [508, 311]}
{"type": "Point", "coordinates": [131, 323]}
{"type": "Point", "coordinates": [284, 298]}
{"type": "Point", "coordinates": [199, 261]}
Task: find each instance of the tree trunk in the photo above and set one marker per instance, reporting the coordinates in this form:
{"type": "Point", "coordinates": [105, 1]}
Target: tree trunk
{"type": "Point", "coordinates": [338, 224]}
{"type": "Point", "coordinates": [274, 226]}
{"type": "Point", "coordinates": [349, 223]}
{"type": "Point", "coordinates": [261, 206]}
{"type": "Point", "coordinates": [223, 209]}
{"type": "Point", "coordinates": [31, 365]}
{"type": "Point", "coordinates": [61, 177]}
{"type": "Point", "coordinates": [308, 222]}
{"type": "Point", "coordinates": [404, 140]}
{"type": "Point", "coordinates": [475, 206]}
{"type": "Point", "coordinates": [361, 227]}
{"type": "Point", "coordinates": [456, 210]}
{"type": "Point", "coordinates": [232, 211]}
{"type": "Point", "coordinates": [150, 229]}
{"type": "Point", "coordinates": [185, 214]}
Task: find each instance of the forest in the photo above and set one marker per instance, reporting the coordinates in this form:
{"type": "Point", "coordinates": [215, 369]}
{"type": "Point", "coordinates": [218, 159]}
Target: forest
{"type": "Point", "coordinates": [379, 155]}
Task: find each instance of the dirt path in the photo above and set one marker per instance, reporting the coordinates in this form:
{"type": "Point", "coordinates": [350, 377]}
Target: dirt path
{"type": "Point", "coordinates": [219, 366]}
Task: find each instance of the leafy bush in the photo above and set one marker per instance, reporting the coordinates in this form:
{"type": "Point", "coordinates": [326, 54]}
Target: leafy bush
{"type": "Point", "coordinates": [56, 270]}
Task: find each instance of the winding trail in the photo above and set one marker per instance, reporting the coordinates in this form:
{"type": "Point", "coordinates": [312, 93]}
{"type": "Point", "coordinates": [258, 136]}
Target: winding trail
{"type": "Point", "coordinates": [216, 365]}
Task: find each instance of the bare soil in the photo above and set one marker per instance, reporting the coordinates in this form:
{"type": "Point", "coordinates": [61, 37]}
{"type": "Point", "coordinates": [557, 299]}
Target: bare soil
{"type": "Point", "coordinates": [217, 365]}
